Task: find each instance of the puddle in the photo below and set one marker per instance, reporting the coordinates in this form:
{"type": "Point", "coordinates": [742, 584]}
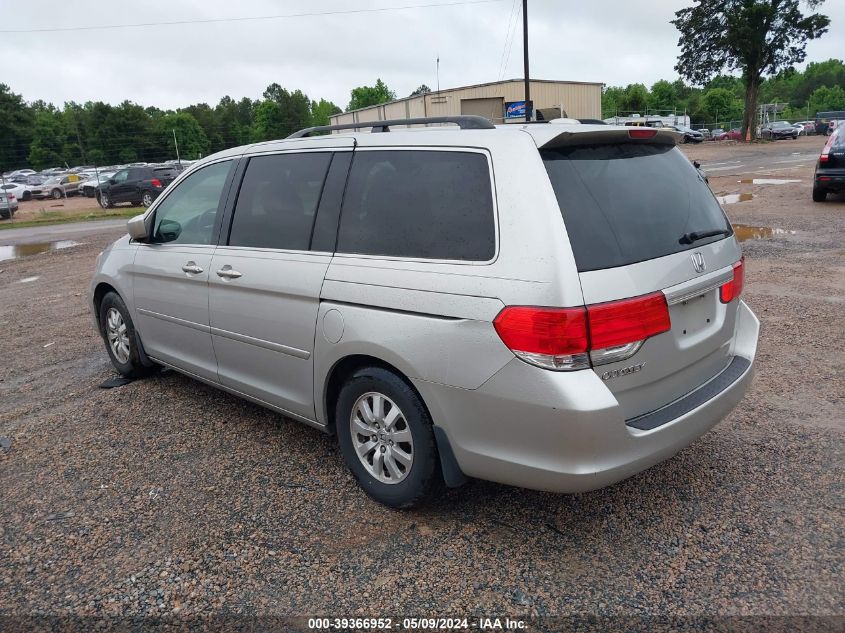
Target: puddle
{"type": "Point", "coordinates": [766, 181]}
{"type": "Point", "coordinates": [746, 232]}
{"type": "Point", "coordinates": [17, 251]}
{"type": "Point", "coordinates": [733, 198]}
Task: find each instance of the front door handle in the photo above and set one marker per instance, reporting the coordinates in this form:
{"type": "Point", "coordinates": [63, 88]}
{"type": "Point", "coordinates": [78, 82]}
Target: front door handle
{"type": "Point", "coordinates": [191, 268]}
{"type": "Point", "coordinates": [227, 273]}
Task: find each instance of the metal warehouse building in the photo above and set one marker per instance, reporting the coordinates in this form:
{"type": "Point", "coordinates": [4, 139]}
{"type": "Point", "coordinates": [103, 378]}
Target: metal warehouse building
{"type": "Point", "coordinates": [498, 101]}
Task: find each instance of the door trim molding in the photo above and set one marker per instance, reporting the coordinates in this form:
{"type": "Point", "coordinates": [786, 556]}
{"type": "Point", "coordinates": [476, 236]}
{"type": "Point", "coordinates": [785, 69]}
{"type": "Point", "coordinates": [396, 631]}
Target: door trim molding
{"type": "Point", "coordinates": [258, 342]}
{"type": "Point", "coordinates": [173, 319]}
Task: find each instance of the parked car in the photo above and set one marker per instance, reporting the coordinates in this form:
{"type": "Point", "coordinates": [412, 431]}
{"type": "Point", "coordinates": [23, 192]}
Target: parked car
{"type": "Point", "coordinates": [138, 185]}
{"type": "Point", "coordinates": [806, 128]}
{"type": "Point", "coordinates": [57, 187]}
{"type": "Point", "coordinates": [560, 330]}
{"type": "Point", "coordinates": [715, 133]}
{"type": "Point", "coordinates": [20, 191]}
{"type": "Point", "coordinates": [705, 133]}
{"type": "Point", "coordinates": [778, 130]}
{"type": "Point", "coordinates": [830, 168]}
{"type": "Point", "coordinates": [8, 205]}
{"type": "Point", "coordinates": [690, 135]}
{"type": "Point", "coordinates": [734, 134]}
{"type": "Point", "coordinates": [834, 124]}
{"type": "Point", "coordinates": [89, 187]}
{"type": "Point", "coordinates": [11, 175]}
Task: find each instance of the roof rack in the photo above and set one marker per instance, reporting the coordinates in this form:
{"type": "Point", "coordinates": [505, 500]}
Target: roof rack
{"type": "Point", "coordinates": [465, 122]}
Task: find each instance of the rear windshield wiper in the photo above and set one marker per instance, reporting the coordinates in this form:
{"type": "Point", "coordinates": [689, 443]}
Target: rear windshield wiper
{"type": "Point", "coordinates": [691, 238]}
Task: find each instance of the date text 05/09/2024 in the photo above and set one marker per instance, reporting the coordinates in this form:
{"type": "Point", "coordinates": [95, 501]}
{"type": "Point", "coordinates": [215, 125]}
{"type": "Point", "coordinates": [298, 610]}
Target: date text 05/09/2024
{"type": "Point", "coordinates": [417, 624]}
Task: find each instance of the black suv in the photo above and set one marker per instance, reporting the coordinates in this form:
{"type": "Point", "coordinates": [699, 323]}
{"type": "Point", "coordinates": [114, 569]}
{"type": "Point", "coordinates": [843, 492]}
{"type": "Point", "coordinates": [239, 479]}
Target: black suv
{"type": "Point", "coordinates": [830, 169]}
{"type": "Point", "coordinates": [138, 185]}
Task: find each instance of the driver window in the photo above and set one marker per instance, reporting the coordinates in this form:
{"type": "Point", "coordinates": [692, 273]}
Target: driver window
{"type": "Point", "coordinates": [187, 215]}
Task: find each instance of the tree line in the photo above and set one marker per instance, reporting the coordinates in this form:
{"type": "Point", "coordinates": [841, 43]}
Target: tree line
{"type": "Point", "coordinates": [40, 135]}
{"type": "Point", "coordinates": [820, 87]}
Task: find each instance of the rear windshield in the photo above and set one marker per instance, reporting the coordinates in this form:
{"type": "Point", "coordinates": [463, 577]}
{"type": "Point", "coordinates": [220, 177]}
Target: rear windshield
{"type": "Point", "coordinates": [628, 203]}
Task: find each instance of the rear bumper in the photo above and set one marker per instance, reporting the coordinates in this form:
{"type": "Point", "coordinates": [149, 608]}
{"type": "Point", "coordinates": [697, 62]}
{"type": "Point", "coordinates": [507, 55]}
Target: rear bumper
{"type": "Point", "coordinates": [564, 432]}
{"type": "Point", "coordinates": [830, 180]}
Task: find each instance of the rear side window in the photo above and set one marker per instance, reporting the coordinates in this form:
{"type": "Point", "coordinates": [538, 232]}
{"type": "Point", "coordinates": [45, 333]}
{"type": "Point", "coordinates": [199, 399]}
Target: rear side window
{"type": "Point", "coordinates": [278, 201]}
{"type": "Point", "coordinates": [419, 204]}
{"type": "Point", "coordinates": [628, 203]}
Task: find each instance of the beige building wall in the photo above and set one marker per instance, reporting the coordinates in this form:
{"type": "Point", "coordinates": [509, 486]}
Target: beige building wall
{"type": "Point", "coordinates": [579, 100]}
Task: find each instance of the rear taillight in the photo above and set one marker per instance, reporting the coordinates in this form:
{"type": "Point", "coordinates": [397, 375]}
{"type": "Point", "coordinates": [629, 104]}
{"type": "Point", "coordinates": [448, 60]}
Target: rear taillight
{"type": "Point", "coordinates": [565, 339]}
{"type": "Point", "coordinates": [733, 289]}
{"type": "Point", "coordinates": [628, 321]}
{"type": "Point", "coordinates": [642, 133]}
{"type": "Point", "coordinates": [825, 156]}
{"type": "Point", "coordinates": [155, 182]}
{"type": "Point", "coordinates": [554, 338]}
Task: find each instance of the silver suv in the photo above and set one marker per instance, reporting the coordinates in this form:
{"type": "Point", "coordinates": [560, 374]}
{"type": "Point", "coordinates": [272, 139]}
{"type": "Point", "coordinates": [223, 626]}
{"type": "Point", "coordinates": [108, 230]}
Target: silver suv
{"type": "Point", "coordinates": [551, 306]}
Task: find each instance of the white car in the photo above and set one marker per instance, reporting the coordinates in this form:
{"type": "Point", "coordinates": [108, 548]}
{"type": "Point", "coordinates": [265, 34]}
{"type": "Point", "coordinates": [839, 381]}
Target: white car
{"type": "Point", "coordinates": [21, 192]}
{"type": "Point", "coordinates": [89, 187]}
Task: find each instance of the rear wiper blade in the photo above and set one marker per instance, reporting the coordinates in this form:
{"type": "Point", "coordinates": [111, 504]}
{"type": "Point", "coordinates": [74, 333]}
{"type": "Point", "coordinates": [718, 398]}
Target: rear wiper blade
{"type": "Point", "coordinates": [691, 238]}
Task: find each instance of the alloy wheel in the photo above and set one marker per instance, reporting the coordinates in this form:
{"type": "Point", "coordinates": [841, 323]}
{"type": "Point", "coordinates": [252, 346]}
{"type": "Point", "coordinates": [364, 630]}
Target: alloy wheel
{"type": "Point", "coordinates": [381, 438]}
{"type": "Point", "coordinates": [117, 335]}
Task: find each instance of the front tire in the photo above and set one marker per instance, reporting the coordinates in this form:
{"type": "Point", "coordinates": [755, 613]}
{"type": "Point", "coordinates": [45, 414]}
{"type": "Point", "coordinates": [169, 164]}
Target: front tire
{"type": "Point", "coordinates": [118, 332]}
{"type": "Point", "coordinates": [56, 194]}
{"type": "Point", "coordinates": [819, 195]}
{"type": "Point", "coordinates": [385, 435]}
{"type": "Point", "coordinates": [105, 201]}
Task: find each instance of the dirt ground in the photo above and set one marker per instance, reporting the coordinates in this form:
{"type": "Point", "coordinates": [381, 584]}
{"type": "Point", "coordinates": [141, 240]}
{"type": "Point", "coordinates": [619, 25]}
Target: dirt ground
{"type": "Point", "coordinates": [168, 498]}
{"type": "Point", "coordinates": [74, 205]}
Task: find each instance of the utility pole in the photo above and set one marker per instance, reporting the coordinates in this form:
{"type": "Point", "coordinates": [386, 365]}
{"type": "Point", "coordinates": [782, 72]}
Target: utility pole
{"type": "Point", "coordinates": [178, 160]}
{"type": "Point", "coordinates": [528, 108]}
{"type": "Point", "coordinates": [438, 74]}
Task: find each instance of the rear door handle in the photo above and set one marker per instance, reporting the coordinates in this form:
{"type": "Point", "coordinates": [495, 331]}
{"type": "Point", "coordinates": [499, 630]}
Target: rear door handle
{"type": "Point", "coordinates": [191, 268]}
{"type": "Point", "coordinates": [227, 273]}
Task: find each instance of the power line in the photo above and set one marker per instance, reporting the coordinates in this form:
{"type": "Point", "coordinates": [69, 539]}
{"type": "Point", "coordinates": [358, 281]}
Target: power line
{"type": "Point", "coordinates": [508, 58]}
{"type": "Point", "coordinates": [507, 37]}
{"type": "Point", "coordinates": [247, 19]}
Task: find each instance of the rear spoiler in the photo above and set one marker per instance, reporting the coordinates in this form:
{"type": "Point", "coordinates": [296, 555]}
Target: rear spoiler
{"type": "Point", "coordinates": [614, 136]}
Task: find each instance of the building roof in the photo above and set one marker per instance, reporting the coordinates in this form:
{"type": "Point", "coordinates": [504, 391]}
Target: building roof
{"type": "Point", "coordinates": [484, 85]}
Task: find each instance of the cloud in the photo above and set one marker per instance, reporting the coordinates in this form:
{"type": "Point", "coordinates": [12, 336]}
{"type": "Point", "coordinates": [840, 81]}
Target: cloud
{"type": "Point", "coordinates": [612, 41]}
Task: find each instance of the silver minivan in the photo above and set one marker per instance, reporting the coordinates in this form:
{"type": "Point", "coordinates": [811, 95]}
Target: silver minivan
{"type": "Point", "coordinates": [553, 306]}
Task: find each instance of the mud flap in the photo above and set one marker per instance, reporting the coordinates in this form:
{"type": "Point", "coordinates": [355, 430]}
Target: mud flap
{"type": "Point", "coordinates": [452, 473]}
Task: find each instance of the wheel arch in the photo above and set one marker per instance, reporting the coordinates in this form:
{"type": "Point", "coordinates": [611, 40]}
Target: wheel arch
{"type": "Point", "coordinates": [101, 290]}
{"type": "Point", "coordinates": [344, 368]}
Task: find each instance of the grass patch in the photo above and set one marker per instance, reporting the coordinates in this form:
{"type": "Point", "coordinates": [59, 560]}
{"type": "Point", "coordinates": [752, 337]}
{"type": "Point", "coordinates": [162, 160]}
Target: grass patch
{"type": "Point", "coordinates": [47, 218]}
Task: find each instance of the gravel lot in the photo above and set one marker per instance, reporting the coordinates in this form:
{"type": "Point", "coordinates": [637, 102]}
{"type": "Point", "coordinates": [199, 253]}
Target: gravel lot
{"type": "Point", "coordinates": [168, 497]}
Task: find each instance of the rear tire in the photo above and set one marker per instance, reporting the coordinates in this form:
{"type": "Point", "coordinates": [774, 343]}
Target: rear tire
{"type": "Point", "coordinates": [819, 195]}
{"type": "Point", "coordinates": [402, 428]}
{"type": "Point", "coordinates": [146, 199]}
{"type": "Point", "coordinates": [118, 332]}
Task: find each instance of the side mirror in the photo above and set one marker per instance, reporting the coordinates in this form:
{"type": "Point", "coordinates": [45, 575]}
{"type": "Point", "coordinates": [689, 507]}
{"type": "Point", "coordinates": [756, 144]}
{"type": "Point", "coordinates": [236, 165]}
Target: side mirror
{"type": "Point", "coordinates": [111, 181]}
{"type": "Point", "coordinates": [137, 228]}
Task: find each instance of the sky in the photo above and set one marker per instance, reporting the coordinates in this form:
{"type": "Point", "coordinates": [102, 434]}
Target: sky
{"type": "Point", "coordinates": [615, 42]}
